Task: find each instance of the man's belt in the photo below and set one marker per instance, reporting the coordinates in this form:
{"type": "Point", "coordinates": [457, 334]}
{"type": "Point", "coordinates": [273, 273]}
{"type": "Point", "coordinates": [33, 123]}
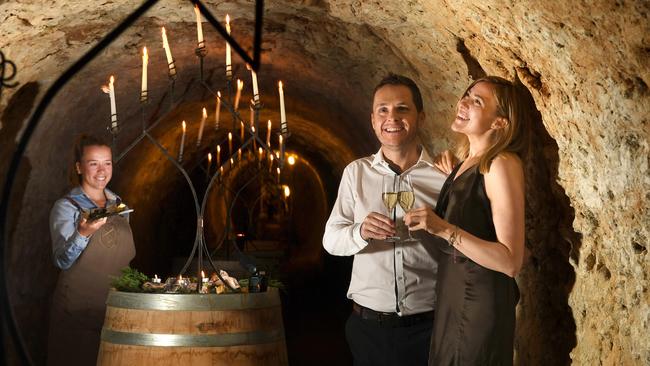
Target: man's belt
{"type": "Point", "coordinates": [391, 319]}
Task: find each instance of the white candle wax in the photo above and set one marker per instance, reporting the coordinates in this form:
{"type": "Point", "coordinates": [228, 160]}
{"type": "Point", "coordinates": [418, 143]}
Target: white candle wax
{"type": "Point", "coordinates": [240, 86]}
{"type": "Point", "coordinates": [168, 52]}
{"type": "Point", "coordinates": [199, 26]}
{"type": "Point", "coordinates": [256, 95]}
{"type": "Point", "coordinates": [203, 118]}
{"type": "Point", "coordinates": [180, 154]}
{"type": "Point", "coordinates": [145, 62]}
{"type": "Point", "coordinates": [252, 112]}
{"type": "Point", "coordinates": [283, 114]}
{"type": "Point", "coordinates": [218, 111]}
{"type": "Point", "coordinates": [228, 56]}
{"type": "Point", "coordinates": [111, 89]}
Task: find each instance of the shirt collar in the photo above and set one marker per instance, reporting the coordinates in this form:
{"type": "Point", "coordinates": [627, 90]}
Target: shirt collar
{"type": "Point", "coordinates": [111, 197]}
{"type": "Point", "coordinates": [425, 158]}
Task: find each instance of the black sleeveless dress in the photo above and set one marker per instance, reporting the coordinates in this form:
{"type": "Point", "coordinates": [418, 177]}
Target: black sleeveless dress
{"type": "Point", "coordinates": [475, 311]}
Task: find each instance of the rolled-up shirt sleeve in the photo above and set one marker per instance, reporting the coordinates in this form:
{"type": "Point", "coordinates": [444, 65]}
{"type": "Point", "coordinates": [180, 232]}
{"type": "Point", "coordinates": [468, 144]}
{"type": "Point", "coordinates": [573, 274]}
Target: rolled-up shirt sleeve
{"type": "Point", "coordinates": [342, 234]}
{"type": "Point", "coordinates": [67, 243]}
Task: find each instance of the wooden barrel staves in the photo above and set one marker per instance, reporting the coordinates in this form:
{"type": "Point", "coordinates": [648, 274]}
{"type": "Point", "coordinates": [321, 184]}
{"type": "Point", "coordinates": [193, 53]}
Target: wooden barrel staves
{"type": "Point", "coordinates": [197, 329]}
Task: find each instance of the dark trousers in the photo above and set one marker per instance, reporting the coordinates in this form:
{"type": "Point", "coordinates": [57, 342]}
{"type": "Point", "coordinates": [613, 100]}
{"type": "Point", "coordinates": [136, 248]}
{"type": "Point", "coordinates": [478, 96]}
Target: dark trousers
{"type": "Point", "coordinates": [374, 344]}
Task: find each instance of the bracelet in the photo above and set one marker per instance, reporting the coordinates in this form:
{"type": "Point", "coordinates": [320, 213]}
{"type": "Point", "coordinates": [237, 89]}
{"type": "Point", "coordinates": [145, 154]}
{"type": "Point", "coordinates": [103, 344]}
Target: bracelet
{"type": "Point", "coordinates": [454, 238]}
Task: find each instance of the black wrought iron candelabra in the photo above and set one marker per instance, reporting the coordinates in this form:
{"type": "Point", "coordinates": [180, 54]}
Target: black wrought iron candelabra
{"type": "Point", "coordinates": [251, 138]}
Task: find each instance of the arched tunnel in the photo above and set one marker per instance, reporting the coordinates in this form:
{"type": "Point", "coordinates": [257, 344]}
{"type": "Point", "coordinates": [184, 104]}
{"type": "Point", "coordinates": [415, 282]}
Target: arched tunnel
{"type": "Point", "coordinates": [584, 290]}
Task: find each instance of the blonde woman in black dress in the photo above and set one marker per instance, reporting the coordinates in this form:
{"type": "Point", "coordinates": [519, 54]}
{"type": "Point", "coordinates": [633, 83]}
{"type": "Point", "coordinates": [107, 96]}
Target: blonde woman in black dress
{"type": "Point", "coordinates": [480, 216]}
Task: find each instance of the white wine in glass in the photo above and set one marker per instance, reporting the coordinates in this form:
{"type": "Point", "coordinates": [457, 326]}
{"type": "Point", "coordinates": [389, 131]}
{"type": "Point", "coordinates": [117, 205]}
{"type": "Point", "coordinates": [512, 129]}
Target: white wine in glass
{"type": "Point", "coordinates": [406, 197]}
{"type": "Point", "coordinates": [389, 197]}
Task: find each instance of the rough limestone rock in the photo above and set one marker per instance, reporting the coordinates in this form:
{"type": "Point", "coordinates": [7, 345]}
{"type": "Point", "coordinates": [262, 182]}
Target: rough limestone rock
{"type": "Point", "coordinates": [585, 297]}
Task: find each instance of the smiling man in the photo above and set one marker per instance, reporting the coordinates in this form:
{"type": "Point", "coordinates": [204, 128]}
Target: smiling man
{"type": "Point", "coordinates": [393, 281]}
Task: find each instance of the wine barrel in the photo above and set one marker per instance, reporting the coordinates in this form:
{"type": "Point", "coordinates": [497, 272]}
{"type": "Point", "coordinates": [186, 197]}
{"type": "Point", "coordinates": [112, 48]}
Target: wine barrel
{"type": "Point", "coordinates": [196, 329]}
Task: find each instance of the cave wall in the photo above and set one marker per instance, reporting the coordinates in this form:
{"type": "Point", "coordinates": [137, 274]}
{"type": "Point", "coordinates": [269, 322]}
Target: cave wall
{"type": "Point", "coordinates": [585, 64]}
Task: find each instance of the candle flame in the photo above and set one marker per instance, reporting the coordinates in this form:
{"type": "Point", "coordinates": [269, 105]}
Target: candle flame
{"type": "Point", "coordinates": [209, 157]}
{"type": "Point", "coordinates": [272, 157]}
{"type": "Point", "coordinates": [144, 53]}
{"type": "Point", "coordinates": [155, 276]}
{"type": "Point", "coordinates": [227, 19]}
{"type": "Point", "coordinates": [280, 84]}
{"type": "Point", "coordinates": [240, 85]}
{"type": "Point", "coordinates": [229, 135]}
{"type": "Point", "coordinates": [202, 274]}
{"type": "Point", "coordinates": [259, 150]}
{"type": "Point", "coordinates": [105, 89]}
{"type": "Point", "coordinates": [218, 148]}
{"type": "Point", "coordinates": [280, 137]}
{"type": "Point", "coordinates": [269, 124]}
{"type": "Point", "coordinates": [184, 126]}
{"type": "Point", "coordinates": [278, 170]}
{"type": "Point", "coordinates": [253, 129]}
{"type": "Point", "coordinates": [248, 67]}
{"type": "Point", "coordinates": [112, 80]}
{"type": "Point", "coordinates": [219, 94]}
{"type": "Point", "coordinates": [180, 277]}
{"type": "Point", "coordinates": [205, 113]}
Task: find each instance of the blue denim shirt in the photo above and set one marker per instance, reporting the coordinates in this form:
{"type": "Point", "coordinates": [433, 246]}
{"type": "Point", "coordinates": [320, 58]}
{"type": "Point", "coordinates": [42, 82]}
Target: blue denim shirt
{"type": "Point", "coordinates": [67, 243]}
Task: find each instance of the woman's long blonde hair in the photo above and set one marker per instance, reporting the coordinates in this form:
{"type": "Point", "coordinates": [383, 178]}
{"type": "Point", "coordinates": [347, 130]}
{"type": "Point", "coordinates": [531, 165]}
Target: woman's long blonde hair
{"type": "Point", "coordinates": [512, 137]}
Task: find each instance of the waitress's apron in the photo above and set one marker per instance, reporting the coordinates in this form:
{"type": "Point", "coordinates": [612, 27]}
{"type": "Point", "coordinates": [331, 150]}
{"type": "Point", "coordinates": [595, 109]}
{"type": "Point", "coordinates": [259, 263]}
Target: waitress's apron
{"type": "Point", "coordinates": [79, 301]}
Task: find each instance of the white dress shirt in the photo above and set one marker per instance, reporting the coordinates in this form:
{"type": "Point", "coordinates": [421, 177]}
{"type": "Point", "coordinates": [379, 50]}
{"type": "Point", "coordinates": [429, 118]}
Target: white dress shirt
{"type": "Point", "coordinates": [378, 265]}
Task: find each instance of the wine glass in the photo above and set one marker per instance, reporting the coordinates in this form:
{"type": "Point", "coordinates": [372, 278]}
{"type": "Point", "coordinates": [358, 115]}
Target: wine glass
{"type": "Point", "coordinates": [406, 197]}
{"type": "Point", "coordinates": [389, 197]}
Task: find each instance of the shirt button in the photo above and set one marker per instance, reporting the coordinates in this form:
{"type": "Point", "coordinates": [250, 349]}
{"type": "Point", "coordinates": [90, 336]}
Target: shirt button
{"type": "Point", "coordinates": [398, 252]}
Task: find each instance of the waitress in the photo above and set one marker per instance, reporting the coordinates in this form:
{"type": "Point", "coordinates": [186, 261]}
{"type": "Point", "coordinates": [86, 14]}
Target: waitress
{"type": "Point", "coordinates": [88, 253]}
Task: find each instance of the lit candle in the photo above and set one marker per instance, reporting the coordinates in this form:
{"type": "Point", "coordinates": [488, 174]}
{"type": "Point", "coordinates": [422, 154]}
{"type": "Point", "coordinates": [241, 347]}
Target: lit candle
{"type": "Point", "coordinates": [111, 94]}
{"type": "Point", "coordinates": [256, 95]}
{"type": "Point", "coordinates": [209, 162]}
{"type": "Point", "coordinates": [239, 154]}
{"type": "Point", "coordinates": [232, 162]}
{"type": "Point", "coordinates": [252, 111]}
{"type": "Point", "coordinates": [156, 279]}
{"type": "Point", "coordinates": [241, 133]}
{"type": "Point", "coordinates": [254, 140]}
{"type": "Point", "coordinates": [221, 171]}
{"type": "Point", "coordinates": [271, 161]}
{"type": "Point", "coordinates": [168, 52]}
{"type": "Point", "coordinates": [228, 56]}
{"type": "Point", "coordinates": [229, 143]}
{"type": "Point", "coordinates": [278, 170]}
{"type": "Point", "coordinates": [217, 112]}
{"type": "Point", "coordinates": [199, 27]}
{"type": "Point", "coordinates": [180, 154]}
{"type": "Point", "coordinates": [218, 155]}
{"type": "Point", "coordinates": [260, 152]}
{"type": "Point", "coordinates": [203, 118]}
{"type": "Point", "coordinates": [283, 114]}
{"type": "Point", "coordinates": [180, 279]}
{"type": "Point", "coordinates": [240, 86]}
{"type": "Point", "coordinates": [268, 134]}
{"type": "Point", "coordinates": [145, 62]}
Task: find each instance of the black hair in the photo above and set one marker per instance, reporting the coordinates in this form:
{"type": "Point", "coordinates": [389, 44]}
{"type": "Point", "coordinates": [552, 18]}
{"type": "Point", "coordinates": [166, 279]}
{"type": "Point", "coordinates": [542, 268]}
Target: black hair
{"type": "Point", "coordinates": [394, 79]}
{"type": "Point", "coordinates": [80, 144]}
